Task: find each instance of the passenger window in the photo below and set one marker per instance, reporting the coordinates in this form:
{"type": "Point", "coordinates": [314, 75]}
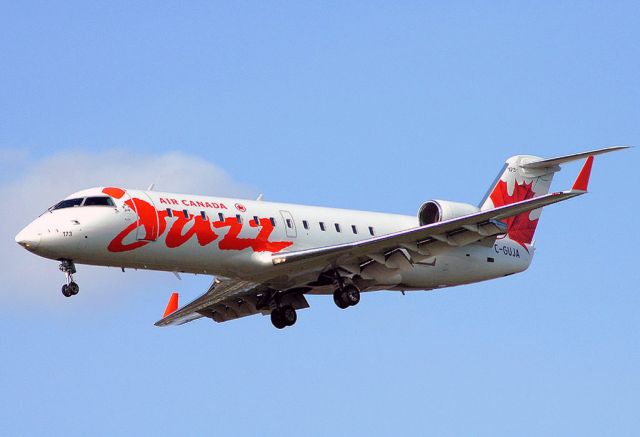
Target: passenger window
{"type": "Point", "coordinates": [305, 224]}
{"type": "Point", "coordinates": [371, 230]}
{"type": "Point", "coordinates": [169, 212]}
{"type": "Point", "coordinates": [256, 221]}
{"type": "Point", "coordinates": [239, 218]}
{"type": "Point", "coordinates": [221, 216]}
{"type": "Point", "coordinates": [185, 213]}
{"type": "Point", "coordinates": [98, 201]}
{"type": "Point", "coordinates": [322, 226]}
{"type": "Point", "coordinates": [289, 224]}
{"type": "Point", "coordinates": [273, 221]}
{"type": "Point", "coordinates": [337, 227]}
{"type": "Point", "coordinates": [203, 215]}
{"type": "Point", "coordinates": [69, 203]}
{"type": "Point", "coordinates": [354, 229]}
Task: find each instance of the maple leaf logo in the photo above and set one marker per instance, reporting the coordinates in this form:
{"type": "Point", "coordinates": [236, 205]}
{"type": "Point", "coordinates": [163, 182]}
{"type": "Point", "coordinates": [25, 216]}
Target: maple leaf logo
{"type": "Point", "coordinates": [519, 228]}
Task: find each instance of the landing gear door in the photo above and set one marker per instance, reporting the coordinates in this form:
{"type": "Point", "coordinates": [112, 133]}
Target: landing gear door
{"type": "Point", "coordinates": [289, 224]}
{"type": "Point", "coordinates": [148, 220]}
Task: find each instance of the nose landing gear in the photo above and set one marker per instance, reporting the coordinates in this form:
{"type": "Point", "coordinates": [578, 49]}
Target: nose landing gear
{"type": "Point", "coordinates": [70, 288]}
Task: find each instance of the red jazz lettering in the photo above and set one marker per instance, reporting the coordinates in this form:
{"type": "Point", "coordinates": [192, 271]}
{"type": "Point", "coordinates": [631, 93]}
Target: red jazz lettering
{"type": "Point", "coordinates": [154, 225]}
{"type": "Point", "coordinates": [200, 227]}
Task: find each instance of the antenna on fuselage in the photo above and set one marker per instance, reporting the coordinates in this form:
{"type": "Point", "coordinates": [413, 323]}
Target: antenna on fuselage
{"type": "Point", "coordinates": [151, 187]}
{"type": "Point", "coordinates": [259, 197]}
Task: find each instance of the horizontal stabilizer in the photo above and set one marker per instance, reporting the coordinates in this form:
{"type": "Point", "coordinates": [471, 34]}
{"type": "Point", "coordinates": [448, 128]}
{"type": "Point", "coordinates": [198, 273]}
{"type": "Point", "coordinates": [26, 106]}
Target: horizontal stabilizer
{"type": "Point", "coordinates": [568, 158]}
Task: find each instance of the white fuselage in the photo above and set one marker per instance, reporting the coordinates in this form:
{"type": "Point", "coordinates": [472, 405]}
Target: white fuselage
{"type": "Point", "coordinates": [199, 234]}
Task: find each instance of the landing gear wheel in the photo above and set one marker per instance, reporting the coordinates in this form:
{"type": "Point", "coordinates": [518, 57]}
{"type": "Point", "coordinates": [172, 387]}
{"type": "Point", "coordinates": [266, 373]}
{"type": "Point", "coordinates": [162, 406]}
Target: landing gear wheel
{"type": "Point", "coordinates": [65, 291]}
{"type": "Point", "coordinates": [284, 316]}
{"type": "Point", "coordinates": [288, 315]}
{"type": "Point", "coordinates": [347, 296]}
{"type": "Point", "coordinates": [340, 299]}
{"type": "Point", "coordinates": [73, 288]}
{"type": "Point", "coordinates": [351, 295]}
{"type": "Point", "coordinates": [277, 319]}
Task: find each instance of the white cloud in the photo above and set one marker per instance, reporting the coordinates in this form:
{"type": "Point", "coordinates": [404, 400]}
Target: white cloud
{"type": "Point", "coordinates": [36, 184]}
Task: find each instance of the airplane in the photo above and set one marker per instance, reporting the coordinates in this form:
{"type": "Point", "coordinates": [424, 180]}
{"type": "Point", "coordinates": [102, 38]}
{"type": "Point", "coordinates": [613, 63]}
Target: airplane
{"type": "Point", "coordinates": [265, 257]}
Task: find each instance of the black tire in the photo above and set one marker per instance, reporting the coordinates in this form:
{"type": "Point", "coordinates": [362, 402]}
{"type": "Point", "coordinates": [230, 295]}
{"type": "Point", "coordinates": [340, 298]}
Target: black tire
{"type": "Point", "coordinates": [277, 319]}
{"type": "Point", "coordinates": [73, 288]}
{"type": "Point", "coordinates": [351, 295]}
{"type": "Point", "coordinates": [65, 291]}
{"type": "Point", "coordinates": [288, 315]}
{"type": "Point", "coordinates": [340, 299]}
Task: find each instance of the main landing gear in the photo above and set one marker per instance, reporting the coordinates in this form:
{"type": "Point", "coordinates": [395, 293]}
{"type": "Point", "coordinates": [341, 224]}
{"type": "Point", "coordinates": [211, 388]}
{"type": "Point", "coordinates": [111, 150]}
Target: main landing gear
{"type": "Point", "coordinates": [283, 316]}
{"type": "Point", "coordinates": [70, 288]}
{"type": "Point", "coordinates": [346, 296]}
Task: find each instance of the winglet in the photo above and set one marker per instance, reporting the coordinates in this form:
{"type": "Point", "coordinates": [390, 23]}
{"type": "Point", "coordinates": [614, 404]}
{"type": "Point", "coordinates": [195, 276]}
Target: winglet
{"type": "Point", "coordinates": [172, 305]}
{"type": "Point", "coordinates": [582, 181]}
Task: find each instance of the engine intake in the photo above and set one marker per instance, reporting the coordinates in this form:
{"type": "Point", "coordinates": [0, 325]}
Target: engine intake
{"type": "Point", "coordinates": [435, 211]}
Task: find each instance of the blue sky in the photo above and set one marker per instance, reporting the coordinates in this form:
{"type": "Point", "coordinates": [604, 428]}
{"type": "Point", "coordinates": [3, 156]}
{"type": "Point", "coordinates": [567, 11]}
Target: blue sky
{"type": "Point", "coordinates": [371, 105]}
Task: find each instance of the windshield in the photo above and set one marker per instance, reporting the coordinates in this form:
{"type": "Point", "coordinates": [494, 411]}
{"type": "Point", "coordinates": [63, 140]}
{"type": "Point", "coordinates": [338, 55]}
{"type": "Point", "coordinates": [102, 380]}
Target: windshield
{"type": "Point", "coordinates": [98, 201]}
{"type": "Point", "coordinates": [68, 203]}
{"type": "Point", "coordinates": [84, 201]}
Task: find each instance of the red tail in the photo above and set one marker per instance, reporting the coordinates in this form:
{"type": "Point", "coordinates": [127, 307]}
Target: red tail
{"type": "Point", "coordinates": [520, 228]}
{"type": "Point", "coordinates": [516, 183]}
{"type": "Point", "coordinates": [525, 177]}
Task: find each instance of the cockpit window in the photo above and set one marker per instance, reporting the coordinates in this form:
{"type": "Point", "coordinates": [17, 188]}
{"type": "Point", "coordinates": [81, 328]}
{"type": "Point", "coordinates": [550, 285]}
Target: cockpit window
{"type": "Point", "coordinates": [69, 203]}
{"type": "Point", "coordinates": [84, 201]}
{"type": "Point", "coordinates": [98, 201]}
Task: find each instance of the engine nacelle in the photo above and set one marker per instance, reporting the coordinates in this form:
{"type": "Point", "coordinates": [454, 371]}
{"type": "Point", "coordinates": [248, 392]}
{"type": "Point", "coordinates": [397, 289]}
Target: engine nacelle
{"type": "Point", "coordinates": [435, 211]}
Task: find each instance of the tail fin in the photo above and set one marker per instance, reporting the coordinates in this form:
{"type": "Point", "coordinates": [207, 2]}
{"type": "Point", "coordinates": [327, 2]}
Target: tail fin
{"type": "Point", "coordinates": [514, 184]}
{"type": "Point", "coordinates": [524, 177]}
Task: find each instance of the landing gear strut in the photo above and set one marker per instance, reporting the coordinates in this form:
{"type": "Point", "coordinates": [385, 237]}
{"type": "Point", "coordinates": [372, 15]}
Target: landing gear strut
{"type": "Point", "coordinates": [70, 288]}
{"type": "Point", "coordinates": [283, 316]}
{"type": "Point", "coordinates": [346, 296]}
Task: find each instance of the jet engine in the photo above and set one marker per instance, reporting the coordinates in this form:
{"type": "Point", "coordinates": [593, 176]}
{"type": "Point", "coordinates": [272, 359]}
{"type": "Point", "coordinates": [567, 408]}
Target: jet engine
{"type": "Point", "coordinates": [435, 211]}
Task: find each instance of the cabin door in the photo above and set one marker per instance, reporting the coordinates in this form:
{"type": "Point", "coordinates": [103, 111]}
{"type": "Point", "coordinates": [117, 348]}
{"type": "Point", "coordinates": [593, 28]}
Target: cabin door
{"type": "Point", "coordinates": [148, 220]}
{"type": "Point", "coordinates": [289, 224]}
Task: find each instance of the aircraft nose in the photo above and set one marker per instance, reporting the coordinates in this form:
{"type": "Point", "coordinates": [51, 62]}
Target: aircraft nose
{"type": "Point", "coordinates": [28, 238]}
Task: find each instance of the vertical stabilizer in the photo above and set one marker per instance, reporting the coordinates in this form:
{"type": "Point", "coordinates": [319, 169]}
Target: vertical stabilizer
{"type": "Point", "coordinates": [514, 184]}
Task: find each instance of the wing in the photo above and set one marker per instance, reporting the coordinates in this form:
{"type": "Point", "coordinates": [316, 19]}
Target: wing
{"type": "Point", "coordinates": [225, 300]}
{"type": "Point", "coordinates": [398, 250]}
